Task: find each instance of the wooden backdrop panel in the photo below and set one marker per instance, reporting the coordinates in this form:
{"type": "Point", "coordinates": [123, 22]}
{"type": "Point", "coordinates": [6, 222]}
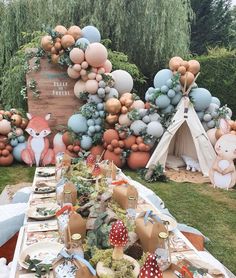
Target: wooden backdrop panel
{"type": "Point", "coordinates": [56, 93]}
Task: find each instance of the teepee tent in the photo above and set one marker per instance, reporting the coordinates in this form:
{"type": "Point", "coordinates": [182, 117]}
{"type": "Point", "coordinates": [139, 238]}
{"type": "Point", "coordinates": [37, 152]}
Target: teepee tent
{"type": "Point", "coordinates": [185, 136]}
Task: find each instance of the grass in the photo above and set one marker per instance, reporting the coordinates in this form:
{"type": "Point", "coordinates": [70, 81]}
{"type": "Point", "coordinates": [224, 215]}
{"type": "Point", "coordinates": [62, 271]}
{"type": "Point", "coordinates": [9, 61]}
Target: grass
{"type": "Point", "coordinates": [15, 174]}
{"type": "Point", "coordinates": [212, 211]}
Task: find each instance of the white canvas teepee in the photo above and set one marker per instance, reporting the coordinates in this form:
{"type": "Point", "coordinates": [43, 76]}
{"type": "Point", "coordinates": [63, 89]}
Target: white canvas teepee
{"type": "Point", "coordinates": [185, 136]}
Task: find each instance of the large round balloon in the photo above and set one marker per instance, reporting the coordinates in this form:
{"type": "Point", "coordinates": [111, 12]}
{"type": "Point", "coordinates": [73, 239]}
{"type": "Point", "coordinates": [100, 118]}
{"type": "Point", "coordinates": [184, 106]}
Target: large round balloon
{"type": "Point", "coordinates": [91, 86]}
{"type": "Point", "coordinates": [91, 33]}
{"type": "Point", "coordinates": [161, 77]}
{"type": "Point", "coordinates": [86, 142]}
{"type": "Point", "coordinates": [58, 144]}
{"type": "Point", "coordinates": [107, 66]}
{"type": "Point", "coordinates": [96, 54]}
{"type": "Point", "coordinates": [162, 101]}
{"type": "Point", "coordinates": [215, 100]}
{"type": "Point", "coordinates": [79, 88]}
{"type": "Point", "coordinates": [82, 43]}
{"type": "Point", "coordinates": [201, 98]}
{"type": "Point", "coordinates": [17, 151]}
{"type": "Point", "coordinates": [77, 55]}
{"type": "Point", "coordinates": [73, 73]}
{"type": "Point", "coordinates": [155, 129]}
{"type": "Point", "coordinates": [123, 81]}
{"type": "Point", "coordinates": [78, 123]}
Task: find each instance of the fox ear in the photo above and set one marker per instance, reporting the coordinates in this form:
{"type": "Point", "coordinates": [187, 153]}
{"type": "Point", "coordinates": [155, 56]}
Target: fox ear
{"type": "Point", "coordinates": [29, 116]}
{"type": "Point", "coordinates": [224, 126]}
{"type": "Point", "coordinates": [48, 116]}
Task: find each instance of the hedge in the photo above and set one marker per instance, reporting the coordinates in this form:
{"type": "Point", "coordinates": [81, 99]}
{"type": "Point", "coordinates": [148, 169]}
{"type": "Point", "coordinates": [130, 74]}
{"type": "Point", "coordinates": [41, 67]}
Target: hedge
{"type": "Point", "coordinates": [218, 75]}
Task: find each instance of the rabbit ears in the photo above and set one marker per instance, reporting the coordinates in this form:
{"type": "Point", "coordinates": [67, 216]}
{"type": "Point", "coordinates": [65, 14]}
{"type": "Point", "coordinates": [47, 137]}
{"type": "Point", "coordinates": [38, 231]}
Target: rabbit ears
{"type": "Point", "coordinates": [224, 126]}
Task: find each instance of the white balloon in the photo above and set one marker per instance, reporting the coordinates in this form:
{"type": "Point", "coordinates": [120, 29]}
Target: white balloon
{"type": "Point", "coordinates": [123, 81]}
{"type": "Point", "coordinates": [79, 88]}
{"type": "Point", "coordinates": [155, 129]}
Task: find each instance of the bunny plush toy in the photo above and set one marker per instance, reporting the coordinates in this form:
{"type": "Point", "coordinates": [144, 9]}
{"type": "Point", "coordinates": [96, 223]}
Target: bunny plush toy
{"type": "Point", "coordinates": [222, 173]}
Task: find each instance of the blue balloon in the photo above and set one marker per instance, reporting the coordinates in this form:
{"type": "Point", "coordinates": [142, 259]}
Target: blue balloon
{"type": "Point", "coordinates": [176, 99]}
{"type": "Point", "coordinates": [162, 101]}
{"type": "Point", "coordinates": [162, 77]}
{"type": "Point", "coordinates": [91, 33]}
{"type": "Point", "coordinates": [21, 139]}
{"type": "Point", "coordinates": [14, 142]}
{"type": "Point", "coordinates": [78, 123]}
{"type": "Point", "coordinates": [215, 100]}
{"type": "Point", "coordinates": [82, 43]}
{"type": "Point", "coordinates": [17, 151]}
{"type": "Point", "coordinates": [201, 98]}
{"type": "Point", "coordinates": [86, 142]}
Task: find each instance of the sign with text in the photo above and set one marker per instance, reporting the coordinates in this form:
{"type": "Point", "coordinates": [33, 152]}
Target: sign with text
{"type": "Point", "coordinates": [56, 93]}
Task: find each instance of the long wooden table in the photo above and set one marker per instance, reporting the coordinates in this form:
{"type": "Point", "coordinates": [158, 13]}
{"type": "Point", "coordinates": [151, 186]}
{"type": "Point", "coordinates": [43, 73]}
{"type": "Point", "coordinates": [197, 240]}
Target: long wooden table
{"type": "Point", "coordinates": [147, 195]}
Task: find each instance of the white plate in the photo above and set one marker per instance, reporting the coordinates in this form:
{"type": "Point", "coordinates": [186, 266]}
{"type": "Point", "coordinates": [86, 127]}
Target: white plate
{"type": "Point", "coordinates": [32, 211]}
{"type": "Point", "coordinates": [46, 251]}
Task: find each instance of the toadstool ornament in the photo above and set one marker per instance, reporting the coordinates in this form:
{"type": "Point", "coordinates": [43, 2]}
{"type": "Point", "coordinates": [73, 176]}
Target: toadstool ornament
{"type": "Point", "coordinates": [91, 160]}
{"type": "Point", "coordinates": [150, 268]}
{"type": "Point", "coordinates": [118, 238]}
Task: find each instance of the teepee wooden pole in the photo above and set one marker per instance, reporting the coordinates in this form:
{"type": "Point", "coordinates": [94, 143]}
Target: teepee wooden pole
{"type": "Point", "coordinates": [190, 87]}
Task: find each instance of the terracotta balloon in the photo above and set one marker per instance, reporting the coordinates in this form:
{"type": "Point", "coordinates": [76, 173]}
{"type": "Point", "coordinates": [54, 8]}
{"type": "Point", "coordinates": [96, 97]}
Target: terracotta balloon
{"type": "Point", "coordinates": [57, 46]}
{"type": "Point", "coordinates": [77, 55]}
{"type": "Point", "coordinates": [6, 161]}
{"type": "Point", "coordinates": [97, 150]}
{"type": "Point", "coordinates": [109, 135]}
{"type": "Point", "coordinates": [96, 54]}
{"type": "Point", "coordinates": [73, 73]}
{"type": "Point", "coordinates": [107, 66]}
{"type": "Point", "coordinates": [79, 88]}
{"type": "Point", "coordinates": [75, 32]}
{"type": "Point", "coordinates": [67, 41]}
{"type": "Point", "coordinates": [113, 106]}
{"type": "Point", "coordinates": [129, 141]}
{"type": "Point", "coordinates": [112, 119]}
{"type": "Point", "coordinates": [175, 62]}
{"type": "Point", "coordinates": [138, 160]}
{"type": "Point", "coordinates": [189, 77]}
{"type": "Point", "coordinates": [91, 86]}
{"type": "Point", "coordinates": [54, 50]}
{"type": "Point", "coordinates": [46, 43]}
{"type": "Point", "coordinates": [185, 64]}
{"type": "Point", "coordinates": [116, 158]}
{"type": "Point", "coordinates": [194, 66]}
{"type": "Point", "coordinates": [60, 29]}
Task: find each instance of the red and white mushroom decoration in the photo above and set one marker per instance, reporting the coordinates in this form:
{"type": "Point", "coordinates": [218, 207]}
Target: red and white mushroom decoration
{"type": "Point", "coordinates": [118, 238]}
{"type": "Point", "coordinates": [150, 269]}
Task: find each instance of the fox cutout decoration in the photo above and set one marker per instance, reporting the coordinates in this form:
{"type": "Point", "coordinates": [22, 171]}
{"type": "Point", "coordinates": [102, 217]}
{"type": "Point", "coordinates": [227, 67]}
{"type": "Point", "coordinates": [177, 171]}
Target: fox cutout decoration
{"type": "Point", "coordinates": [37, 150]}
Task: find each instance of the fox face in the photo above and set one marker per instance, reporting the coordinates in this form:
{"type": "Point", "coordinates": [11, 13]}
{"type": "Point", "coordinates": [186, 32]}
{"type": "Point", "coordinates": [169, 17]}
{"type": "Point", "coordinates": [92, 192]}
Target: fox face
{"type": "Point", "coordinates": [38, 127]}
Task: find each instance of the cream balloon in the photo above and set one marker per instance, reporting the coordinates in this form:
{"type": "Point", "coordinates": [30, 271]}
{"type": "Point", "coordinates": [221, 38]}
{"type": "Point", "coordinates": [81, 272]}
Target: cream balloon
{"type": "Point", "coordinates": [107, 66]}
{"type": "Point", "coordinates": [79, 88]}
{"type": "Point", "coordinates": [123, 81]}
{"type": "Point", "coordinates": [91, 86]}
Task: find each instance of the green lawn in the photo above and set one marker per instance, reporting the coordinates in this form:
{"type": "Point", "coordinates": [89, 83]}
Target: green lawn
{"type": "Point", "coordinates": [210, 210]}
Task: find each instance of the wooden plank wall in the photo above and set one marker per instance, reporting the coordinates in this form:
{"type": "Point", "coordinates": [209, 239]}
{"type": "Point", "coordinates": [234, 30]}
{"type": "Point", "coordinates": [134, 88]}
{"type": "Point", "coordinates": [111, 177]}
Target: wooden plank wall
{"type": "Point", "coordinates": [56, 93]}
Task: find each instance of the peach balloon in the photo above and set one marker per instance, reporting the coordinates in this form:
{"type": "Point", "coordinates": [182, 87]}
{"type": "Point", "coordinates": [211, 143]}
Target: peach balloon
{"type": "Point", "coordinates": [75, 32]}
{"type": "Point", "coordinates": [77, 55]}
{"type": "Point", "coordinates": [138, 104]}
{"type": "Point", "coordinates": [60, 29]}
{"type": "Point", "coordinates": [73, 73]}
{"type": "Point", "coordinates": [96, 54]}
{"type": "Point", "coordinates": [189, 77]}
{"type": "Point", "coordinates": [107, 66]}
{"type": "Point", "coordinates": [94, 70]}
{"type": "Point", "coordinates": [79, 88]}
{"type": "Point", "coordinates": [92, 75]}
{"type": "Point", "coordinates": [85, 77]}
{"type": "Point", "coordinates": [101, 70]}
{"type": "Point", "coordinates": [175, 62]}
{"type": "Point", "coordinates": [194, 66]}
{"type": "Point", "coordinates": [77, 67]}
{"type": "Point", "coordinates": [83, 72]}
{"type": "Point", "coordinates": [91, 86]}
{"type": "Point", "coordinates": [84, 65]}
{"type": "Point", "coordinates": [98, 77]}
{"type": "Point", "coordinates": [67, 41]}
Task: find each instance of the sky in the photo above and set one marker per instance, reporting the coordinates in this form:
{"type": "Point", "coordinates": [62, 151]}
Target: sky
{"type": "Point", "coordinates": [233, 2]}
